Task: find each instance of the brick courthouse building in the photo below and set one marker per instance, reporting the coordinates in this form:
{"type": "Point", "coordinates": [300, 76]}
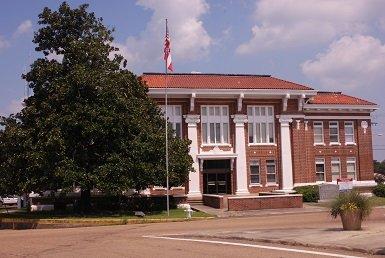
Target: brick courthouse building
{"type": "Point", "coordinates": [253, 133]}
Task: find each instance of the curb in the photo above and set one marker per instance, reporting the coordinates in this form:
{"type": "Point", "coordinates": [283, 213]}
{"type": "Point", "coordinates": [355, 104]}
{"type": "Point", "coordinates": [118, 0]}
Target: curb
{"type": "Point", "coordinates": [294, 243]}
{"type": "Point", "coordinates": [9, 223]}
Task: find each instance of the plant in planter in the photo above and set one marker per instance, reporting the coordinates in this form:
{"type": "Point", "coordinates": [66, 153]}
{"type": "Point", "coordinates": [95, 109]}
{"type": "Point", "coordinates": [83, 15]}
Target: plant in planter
{"type": "Point", "coordinates": [352, 207]}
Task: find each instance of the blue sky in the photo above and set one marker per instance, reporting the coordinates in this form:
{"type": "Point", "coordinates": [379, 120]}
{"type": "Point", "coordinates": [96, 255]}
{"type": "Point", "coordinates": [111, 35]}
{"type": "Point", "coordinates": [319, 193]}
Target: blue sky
{"type": "Point", "coordinates": [329, 45]}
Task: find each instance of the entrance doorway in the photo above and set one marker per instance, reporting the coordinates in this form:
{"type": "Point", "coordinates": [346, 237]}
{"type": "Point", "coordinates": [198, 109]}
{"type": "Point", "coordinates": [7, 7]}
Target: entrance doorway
{"type": "Point", "coordinates": [216, 177]}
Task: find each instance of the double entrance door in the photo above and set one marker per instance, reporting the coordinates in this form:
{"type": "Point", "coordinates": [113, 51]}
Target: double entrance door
{"type": "Point", "coordinates": [216, 177]}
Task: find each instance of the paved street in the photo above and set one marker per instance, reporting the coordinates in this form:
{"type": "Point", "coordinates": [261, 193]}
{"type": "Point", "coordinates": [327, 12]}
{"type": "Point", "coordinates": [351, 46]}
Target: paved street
{"type": "Point", "coordinates": [178, 239]}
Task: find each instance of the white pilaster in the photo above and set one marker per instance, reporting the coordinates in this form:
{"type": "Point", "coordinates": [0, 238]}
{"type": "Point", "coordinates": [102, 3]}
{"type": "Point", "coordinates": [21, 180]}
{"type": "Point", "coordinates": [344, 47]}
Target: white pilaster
{"type": "Point", "coordinates": [240, 148]}
{"type": "Point", "coordinates": [192, 133]}
{"type": "Point", "coordinates": [287, 166]}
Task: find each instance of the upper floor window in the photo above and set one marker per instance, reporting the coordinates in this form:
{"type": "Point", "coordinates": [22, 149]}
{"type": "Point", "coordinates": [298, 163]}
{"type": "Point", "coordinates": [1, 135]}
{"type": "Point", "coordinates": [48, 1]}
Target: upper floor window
{"type": "Point", "coordinates": [261, 124]}
{"type": "Point", "coordinates": [174, 115]}
{"type": "Point", "coordinates": [349, 132]}
{"type": "Point", "coordinates": [254, 172]}
{"type": "Point", "coordinates": [318, 132]}
{"type": "Point", "coordinates": [320, 169]}
{"type": "Point", "coordinates": [215, 124]}
{"type": "Point", "coordinates": [333, 132]}
{"type": "Point", "coordinates": [351, 168]}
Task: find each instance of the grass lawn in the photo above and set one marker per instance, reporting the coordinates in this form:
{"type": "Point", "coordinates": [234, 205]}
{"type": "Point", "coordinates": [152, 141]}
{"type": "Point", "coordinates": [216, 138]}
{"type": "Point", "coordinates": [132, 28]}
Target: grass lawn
{"type": "Point", "coordinates": [174, 214]}
{"type": "Point", "coordinates": [376, 201]}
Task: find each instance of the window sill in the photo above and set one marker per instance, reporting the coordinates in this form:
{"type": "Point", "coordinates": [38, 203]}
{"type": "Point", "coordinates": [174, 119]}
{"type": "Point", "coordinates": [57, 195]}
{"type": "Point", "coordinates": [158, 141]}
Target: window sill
{"type": "Point", "coordinates": [320, 144]}
{"type": "Point", "coordinates": [261, 144]}
{"type": "Point", "coordinates": [350, 143]}
{"type": "Point", "coordinates": [271, 184]}
{"type": "Point", "coordinates": [255, 185]}
{"type": "Point", "coordinates": [216, 144]}
{"type": "Point", "coordinates": [335, 144]}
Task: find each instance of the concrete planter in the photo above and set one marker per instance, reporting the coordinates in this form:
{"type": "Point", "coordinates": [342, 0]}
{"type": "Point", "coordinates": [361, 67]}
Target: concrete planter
{"type": "Point", "coordinates": [351, 220]}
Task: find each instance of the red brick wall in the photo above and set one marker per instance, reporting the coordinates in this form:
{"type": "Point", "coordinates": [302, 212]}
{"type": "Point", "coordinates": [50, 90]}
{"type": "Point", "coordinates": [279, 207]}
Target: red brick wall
{"type": "Point", "coordinates": [264, 202]}
{"type": "Point", "coordinates": [303, 150]}
{"type": "Point", "coordinates": [215, 201]}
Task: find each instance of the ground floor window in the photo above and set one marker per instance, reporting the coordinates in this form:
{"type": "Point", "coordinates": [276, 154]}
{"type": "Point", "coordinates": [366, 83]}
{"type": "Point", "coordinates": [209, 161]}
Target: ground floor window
{"type": "Point", "coordinates": [320, 169]}
{"type": "Point", "coordinates": [254, 172]}
{"type": "Point", "coordinates": [336, 169]}
{"type": "Point", "coordinates": [271, 171]}
{"type": "Point", "coordinates": [351, 168]}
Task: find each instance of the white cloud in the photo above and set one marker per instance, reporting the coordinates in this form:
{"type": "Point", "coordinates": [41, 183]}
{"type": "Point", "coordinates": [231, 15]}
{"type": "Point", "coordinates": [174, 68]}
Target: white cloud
{"type": "Point", "coordinates": [15, 106]}
{"type": "Point", "coordinates": [189, 39]}
{"type": "Point", "coordinates": [24, 27]}
{"type": "Point", "coordinates": [3, 43]}
{"type": "Point", "coordinates": [54, 56]}
{"type": "Point", "coordinates": [351, 63]}
{"type": "Point", "coordinates": [295, 23]}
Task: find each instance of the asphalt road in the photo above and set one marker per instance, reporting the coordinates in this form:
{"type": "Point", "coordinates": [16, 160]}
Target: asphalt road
{"type": "Point", "coordinates": [163, 239]}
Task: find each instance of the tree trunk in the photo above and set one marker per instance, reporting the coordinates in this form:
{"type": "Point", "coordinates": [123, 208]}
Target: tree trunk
{"type": "Point", "coordinates": [85, 200]}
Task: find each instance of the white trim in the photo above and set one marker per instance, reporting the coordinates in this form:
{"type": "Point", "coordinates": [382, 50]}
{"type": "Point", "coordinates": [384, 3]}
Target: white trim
{"type": "Point", "coordinates": [215, 144]}
{"type": "Point", "coordinates": [350, 144]}
{"type": "Point", "coordinates": [255, 185]}
{"type": "Point", "coordinates": [335, 144]}
{"type": "Point", "coordinates": [291, 116]}
{"type": "Point", "coordinates": [319, 144]}
{"type": "Point", "coordinates": [251, 93]}
{"type": "Point", "coordinates": [217, 156]}
{"type": "Point", "coordinates": [261, 144]}
{"type": "Point", "coordinates": [338, 117]}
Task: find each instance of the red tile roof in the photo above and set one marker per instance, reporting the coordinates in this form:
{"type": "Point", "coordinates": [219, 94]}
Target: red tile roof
{"type": "Point", "coordinates": [337, 98]}
{"type": "Point", "coordinates": [219, 81]}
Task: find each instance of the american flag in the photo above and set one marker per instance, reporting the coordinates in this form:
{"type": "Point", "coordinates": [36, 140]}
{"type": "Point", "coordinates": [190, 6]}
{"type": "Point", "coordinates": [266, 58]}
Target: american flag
{"type": "Point", "coordinates": [167, 51]}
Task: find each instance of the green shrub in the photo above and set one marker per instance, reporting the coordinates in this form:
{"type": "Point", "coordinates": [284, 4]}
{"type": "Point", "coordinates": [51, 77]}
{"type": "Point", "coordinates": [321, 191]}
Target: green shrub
{"type": "Point", "coordinates": [310, 193]}
{"type": "Point", "coordinates": [379, 190]}
{"type": "Point", "coordinates": [351, 201]}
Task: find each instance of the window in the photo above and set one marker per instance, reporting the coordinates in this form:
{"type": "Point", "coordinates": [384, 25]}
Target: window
{"type": "Point", "coordinates": [351, 168]}
{"type": "Point", "coordinates": [270, 171]}
{"type": "Point", "coordinates": [336, 169]}
{"type": "Point", "coordinates": [215, 124]}
{"type": "Point", "coordinates": [254, 172]}
{"type": "Point", "coordinates": [318, 132]}
{"type": "Point", "coordinates": [349, 132]}
{"type": "Point", "coordinates": [261, 124]}
{"type": "Point", "coordinates": [333, 132]}
{"type": "Point", "coordinates": [320, 169]}
{"type": "Point", "coordinates": [174, 115]}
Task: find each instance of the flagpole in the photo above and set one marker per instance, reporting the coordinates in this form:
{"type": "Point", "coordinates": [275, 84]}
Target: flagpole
{"type": "Point", "coordinates": [166, 100]}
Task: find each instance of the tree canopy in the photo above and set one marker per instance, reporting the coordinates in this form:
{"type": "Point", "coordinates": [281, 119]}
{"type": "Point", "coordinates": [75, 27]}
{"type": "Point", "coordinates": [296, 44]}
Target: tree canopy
{"type": "Point", "coordinates": [89, 122]}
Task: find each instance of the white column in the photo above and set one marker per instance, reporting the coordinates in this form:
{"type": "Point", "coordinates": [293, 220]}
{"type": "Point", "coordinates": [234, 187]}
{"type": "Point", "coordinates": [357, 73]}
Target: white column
{"type": "Point", "coordinates": [192, 132]}
{"type": "Point", "coordinates": [287, 166]}
{"type": "Point", "coordinates": [240, 148]}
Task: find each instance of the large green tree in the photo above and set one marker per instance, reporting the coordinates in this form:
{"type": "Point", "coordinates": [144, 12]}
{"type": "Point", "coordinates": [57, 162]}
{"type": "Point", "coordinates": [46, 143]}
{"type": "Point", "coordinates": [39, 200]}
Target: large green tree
{"type": "Point", "coordinates": [89, 122]}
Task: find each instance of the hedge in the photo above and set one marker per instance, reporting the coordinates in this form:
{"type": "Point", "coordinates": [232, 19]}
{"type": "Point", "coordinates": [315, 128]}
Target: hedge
{"type": "Point", "coordinates": [310, 193]}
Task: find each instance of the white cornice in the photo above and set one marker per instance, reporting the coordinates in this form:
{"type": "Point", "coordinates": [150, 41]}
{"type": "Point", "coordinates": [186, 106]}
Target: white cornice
{"type": "Point", "coordinates": [337, 117]}
{"type": "Point", "coordinates": [247, 93]}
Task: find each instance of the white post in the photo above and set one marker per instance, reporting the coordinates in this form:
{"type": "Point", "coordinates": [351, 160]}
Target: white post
{"type": "Point", "coordinates": [194, 177]}
{"type": "Point", "coordinates": [287, 167]}
{"type": "Point", "coordinates": [240, 148]}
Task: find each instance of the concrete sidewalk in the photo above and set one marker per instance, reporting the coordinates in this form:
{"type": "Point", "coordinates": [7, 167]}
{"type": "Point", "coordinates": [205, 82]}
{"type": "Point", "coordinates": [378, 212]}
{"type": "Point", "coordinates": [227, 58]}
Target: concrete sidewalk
{"type": "Point", "coordinates": [370, 240]}
{"type": "Point", "coordinates": [222, 213]}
